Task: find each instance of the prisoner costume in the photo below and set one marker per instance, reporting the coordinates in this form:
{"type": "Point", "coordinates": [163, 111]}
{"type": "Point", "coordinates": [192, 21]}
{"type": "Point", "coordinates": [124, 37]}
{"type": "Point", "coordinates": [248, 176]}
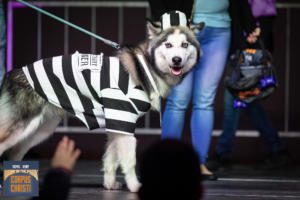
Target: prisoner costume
{"type": "Point", "coordinates": [91, 87]}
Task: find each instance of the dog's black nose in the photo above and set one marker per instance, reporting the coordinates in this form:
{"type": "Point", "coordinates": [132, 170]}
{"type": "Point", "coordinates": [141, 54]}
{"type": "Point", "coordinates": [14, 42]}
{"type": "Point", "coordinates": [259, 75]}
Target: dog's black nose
{"type": "Point", "coordinates": [176, 60]}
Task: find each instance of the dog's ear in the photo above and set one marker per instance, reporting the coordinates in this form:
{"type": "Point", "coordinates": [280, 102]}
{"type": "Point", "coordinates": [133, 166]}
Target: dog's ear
{"type": "Point", "coordinates": [153, 28]}
{"type": "Point", "coordinates": [197, 27]}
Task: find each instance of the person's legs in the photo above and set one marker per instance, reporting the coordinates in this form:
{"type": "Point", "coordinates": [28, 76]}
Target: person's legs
{"type": "Point", "coordinates": [278, 156]}
{"type": "Point", "coordinates": [215, 44]}
{"type": "Point", "coordinates": [2, 43]}
{"type": "Point", "coordinates": [230, 124]}
{"type": "Point", "coordinates": [264, 126]}
{"type": "Point", "coordinates": [176, 105]}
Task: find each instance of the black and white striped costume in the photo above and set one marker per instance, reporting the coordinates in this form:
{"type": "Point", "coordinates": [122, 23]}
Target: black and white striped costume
{"type": "Point", "coordinates": [91, 87]}
{"type": "Point", "coordinates": [173, 18]}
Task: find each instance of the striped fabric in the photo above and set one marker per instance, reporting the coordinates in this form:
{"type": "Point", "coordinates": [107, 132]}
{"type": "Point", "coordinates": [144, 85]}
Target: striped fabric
{"type": "Point", "coordinates": [173, 18]}
{"type": "Point", "coordinates": [94, 88]}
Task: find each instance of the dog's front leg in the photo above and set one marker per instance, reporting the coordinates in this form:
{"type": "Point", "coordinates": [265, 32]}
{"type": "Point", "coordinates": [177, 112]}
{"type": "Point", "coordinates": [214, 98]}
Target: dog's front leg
{"type": "Point", "coordinates": [110, 164]}
{"type": "Point", "coordinates": [126, 150]}
{"type": "Point", "coordinates": [121, 150]}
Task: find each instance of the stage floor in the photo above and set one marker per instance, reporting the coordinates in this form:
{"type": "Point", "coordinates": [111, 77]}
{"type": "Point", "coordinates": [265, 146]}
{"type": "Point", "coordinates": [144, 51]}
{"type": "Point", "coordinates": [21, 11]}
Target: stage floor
{"type": "Point", "coordinates": [240, 182]}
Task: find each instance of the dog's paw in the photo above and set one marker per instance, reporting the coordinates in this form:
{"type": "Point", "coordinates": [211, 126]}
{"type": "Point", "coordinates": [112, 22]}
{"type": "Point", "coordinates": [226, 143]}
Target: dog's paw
{"type": "Point", "coordinates": [113, 186]}
{"type": "Point", "coordinates": [110, 182]}
{"type": "Point", "coordinates": [133, 186]}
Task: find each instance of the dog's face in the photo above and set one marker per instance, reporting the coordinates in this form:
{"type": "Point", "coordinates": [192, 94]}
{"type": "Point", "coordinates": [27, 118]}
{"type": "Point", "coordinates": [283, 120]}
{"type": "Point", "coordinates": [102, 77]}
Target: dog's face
{"type": "Point", "coordinates": [175, 50]}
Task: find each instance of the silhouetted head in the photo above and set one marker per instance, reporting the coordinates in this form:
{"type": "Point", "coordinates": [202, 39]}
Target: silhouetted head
{"type": "Point", "coordinates": [169, 171]}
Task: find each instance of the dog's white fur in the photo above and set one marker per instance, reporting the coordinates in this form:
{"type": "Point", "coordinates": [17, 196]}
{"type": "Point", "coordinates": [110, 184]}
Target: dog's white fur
{"type": "Point", "coordinates": [18, 135]}
{"type": "Point", "coordinates": [120, 151]}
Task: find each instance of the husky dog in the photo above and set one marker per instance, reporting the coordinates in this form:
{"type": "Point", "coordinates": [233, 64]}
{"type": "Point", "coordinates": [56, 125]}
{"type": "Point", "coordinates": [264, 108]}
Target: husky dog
{"type": "Point", "coordinates": [31, 107]}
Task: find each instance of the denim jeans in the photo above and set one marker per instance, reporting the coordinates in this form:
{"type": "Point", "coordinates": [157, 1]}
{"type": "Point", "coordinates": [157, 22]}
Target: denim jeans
{"type": "Point", "coordinates": [200, 86]}
{"type": "Point", "coordinates": [2, 42]}
{"type": "Point", "coordinates": [230, 124]}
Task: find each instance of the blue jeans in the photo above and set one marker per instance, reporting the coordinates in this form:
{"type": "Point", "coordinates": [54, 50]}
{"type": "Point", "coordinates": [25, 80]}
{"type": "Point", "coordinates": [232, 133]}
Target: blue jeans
{"type": "Point", "coordinates": [230, 124]}
{"type": "Point", "coordinates": [200, 86]}
{"type": "Point", "coordinates": [2, 43]}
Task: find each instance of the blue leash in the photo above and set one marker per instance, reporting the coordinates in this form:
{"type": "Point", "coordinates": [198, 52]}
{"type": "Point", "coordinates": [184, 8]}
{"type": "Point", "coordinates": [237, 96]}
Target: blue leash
{"type": "Point", "coordinates": [106, 41]}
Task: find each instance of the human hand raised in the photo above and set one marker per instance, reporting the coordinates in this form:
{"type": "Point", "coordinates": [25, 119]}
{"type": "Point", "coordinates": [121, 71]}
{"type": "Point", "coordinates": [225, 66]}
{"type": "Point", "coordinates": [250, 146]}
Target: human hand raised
{"type": "Point", "coordinates": [65, 155]}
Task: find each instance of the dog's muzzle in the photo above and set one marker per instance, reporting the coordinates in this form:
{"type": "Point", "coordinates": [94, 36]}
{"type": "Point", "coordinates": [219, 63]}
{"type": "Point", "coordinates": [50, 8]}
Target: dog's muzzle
{"type": "Point", "coordinates": [176, 68]}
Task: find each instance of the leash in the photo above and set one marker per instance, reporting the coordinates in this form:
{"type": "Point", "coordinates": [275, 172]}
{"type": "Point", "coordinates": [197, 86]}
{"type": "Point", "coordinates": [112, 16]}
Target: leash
{"type": "Point", "coordinates": [106, 41]}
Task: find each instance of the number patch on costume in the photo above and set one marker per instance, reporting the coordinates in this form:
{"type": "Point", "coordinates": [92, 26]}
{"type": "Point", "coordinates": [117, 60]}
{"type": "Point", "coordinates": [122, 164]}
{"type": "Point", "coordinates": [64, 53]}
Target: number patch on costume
{"type": "Point", "coordinates": [90, 62]}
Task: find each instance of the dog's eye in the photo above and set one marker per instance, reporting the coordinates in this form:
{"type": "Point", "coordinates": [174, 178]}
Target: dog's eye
{"type": "Point", "coordinates": [185, 45]}
{"type": "Point", "coordinates": [168, 45]}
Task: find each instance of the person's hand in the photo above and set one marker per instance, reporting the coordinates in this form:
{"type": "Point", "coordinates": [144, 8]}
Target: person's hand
{"type": "Point", "coordinates": [65, 155]}
{"type": "Point", "coordinates": [252, 38]}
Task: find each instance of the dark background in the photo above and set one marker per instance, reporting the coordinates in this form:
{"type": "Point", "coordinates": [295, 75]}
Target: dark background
{"type": "Point", "coordinates": [25, 51]}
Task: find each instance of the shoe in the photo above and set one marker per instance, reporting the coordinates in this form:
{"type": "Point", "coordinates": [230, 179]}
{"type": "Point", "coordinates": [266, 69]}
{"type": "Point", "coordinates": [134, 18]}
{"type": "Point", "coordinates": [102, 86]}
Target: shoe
{"type": "Point", "coordinates": [275, 161]}
{"type": "Point", "coordinates": [219, 162]}
{"type": "Point", "coordinates": [206, 174]}
{"type": "Point", "coordinates": [209, 177]}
